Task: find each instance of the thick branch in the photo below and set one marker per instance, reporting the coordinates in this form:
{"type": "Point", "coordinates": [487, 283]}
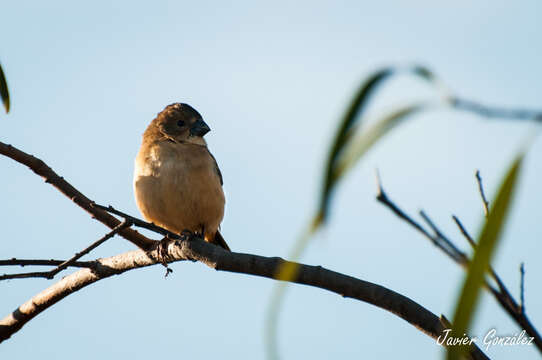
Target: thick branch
{"type": "Point", "coordinates": [216, 258]}
{"type": "Point", "coordinates": [51, 177]}
{"type": "Point", "coordinates": [181, 249]}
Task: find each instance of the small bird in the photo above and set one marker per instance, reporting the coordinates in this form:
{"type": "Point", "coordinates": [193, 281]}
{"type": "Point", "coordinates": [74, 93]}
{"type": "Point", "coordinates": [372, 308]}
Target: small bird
{"type": "Point", "coordinates": [177, 182]}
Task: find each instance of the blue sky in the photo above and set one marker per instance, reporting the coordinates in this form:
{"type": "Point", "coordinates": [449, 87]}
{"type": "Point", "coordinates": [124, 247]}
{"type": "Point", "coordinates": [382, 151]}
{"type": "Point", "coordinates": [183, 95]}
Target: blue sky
{"type": "Point", "coordinates": [271, 80]}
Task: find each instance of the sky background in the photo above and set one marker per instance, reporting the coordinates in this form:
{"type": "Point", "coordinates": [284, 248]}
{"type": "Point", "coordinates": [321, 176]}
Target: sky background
{"type": "Point", "coordinates": [271, 80]}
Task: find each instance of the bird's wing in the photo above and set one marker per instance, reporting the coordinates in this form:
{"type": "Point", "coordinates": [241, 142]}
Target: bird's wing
{"type": "Point", "coordinates": [217, 169]}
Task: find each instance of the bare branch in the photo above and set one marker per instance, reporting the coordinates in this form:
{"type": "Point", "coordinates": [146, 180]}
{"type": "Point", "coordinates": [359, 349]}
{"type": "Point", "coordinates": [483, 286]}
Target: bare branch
{"type": "Point", "coordinates": [138, 222]}
{"type": "Point", "coordinates": [482, 194]}
{"type": "Point", "coordinates": [197, 250]}
{"type": "Point", "coordinates": [43, 170]}
{"type": "Point", "coordinates": [446, 244]}
{"type": "Point", "coordinates": [42, 262]}
{"type": "Point", "coordinates": [502, 295]}
{"type": "Point", "coordinates": [383, 198]}
{"type": "Point", "coordinates": [93, 246]}
{"type": "Point", "coordinates": [219, 259]}
{"type": "Point", "coordinates": [500, 284]}
{"type": "Point", "coordinates": [26, 275]}
{"type": "Point", "coordinates": [464, 231]}
{"type": "Point", "coordinates": [51, 274]}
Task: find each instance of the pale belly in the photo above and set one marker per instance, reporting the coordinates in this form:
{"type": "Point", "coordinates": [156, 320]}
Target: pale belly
{"type": "Point", "coordinates": [180, 196]}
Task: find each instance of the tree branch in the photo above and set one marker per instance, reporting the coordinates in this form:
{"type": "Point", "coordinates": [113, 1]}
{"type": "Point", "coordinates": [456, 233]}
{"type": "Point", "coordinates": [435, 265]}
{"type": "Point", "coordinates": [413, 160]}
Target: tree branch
{"type": "Point", "coordinates": [42, 262]}
{"type": "Point", "coordinates": [439, 240]}
{"type": "Point", "coordinates": [64, 265]}
{"type": "Point", "coordinates": [51, 177]}
{"type": "Point", "coordinates": [485, 203]}
{"type": "Point", "coordinates": [152, 252]}
{"type": "Point", "coordinates": [503, 296]}
{"type": "Point", "coordinates": [219, 259]}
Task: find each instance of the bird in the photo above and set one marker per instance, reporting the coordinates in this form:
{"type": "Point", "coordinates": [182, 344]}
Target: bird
{"type": "Point", "coordinates": [177, 181]}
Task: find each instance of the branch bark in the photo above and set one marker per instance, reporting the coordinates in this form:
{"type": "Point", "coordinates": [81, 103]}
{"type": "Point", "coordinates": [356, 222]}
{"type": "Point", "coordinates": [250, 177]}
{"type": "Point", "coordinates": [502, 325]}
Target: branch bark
{"type": "Point", "coordinates": [502, 295]}
{"type": "Point", "coordinates": [218, 259]}
{"type": "Point", "coordinates": [42, 262]}
{"type": "Point", "coordinates": [152, 252]}
{"type": "Point", "coordinates": [51, 177]}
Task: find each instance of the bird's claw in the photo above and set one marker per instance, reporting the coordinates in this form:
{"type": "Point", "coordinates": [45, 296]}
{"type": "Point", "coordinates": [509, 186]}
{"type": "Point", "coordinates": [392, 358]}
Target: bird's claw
{"type": "Point", "coordinates": [163, 254]}
{"type": "Point", "coordinates": [187, 234]}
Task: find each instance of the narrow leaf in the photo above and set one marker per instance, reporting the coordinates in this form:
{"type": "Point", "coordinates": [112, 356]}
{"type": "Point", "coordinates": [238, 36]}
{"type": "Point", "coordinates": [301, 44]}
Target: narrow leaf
{"type": "Point", "coordinates": [366, 139]}
{"type": "Point", "coordinates": [344, 135]}
{"type": "Point", "coordinates": [350, 119]}
{"type": "Point", "coordinates": [487, 243]}
{"type": "Point", "coordinates": [4, 93]}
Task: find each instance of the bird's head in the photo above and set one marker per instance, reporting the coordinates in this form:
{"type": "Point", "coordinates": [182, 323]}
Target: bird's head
{"type": "Point", "coordinates": [181, 123]}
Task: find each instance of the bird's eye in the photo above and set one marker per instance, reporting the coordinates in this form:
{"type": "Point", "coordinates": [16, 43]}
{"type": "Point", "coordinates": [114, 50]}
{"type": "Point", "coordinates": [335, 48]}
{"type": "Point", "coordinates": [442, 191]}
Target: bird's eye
{"type": "Point", "coordinates": [180, 123]}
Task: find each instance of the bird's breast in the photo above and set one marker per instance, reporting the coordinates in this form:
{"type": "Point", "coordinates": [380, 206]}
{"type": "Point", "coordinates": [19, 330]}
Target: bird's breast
{"type": "Point", "coordinates": [179, 189]}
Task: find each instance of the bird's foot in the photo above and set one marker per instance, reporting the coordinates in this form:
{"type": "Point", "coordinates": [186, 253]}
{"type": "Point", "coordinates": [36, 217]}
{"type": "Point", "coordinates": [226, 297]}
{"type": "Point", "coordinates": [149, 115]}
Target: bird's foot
{"type": "Point", "coordinates": [163, 254]}
{"type": "Point", "coordinates": [187, 234]}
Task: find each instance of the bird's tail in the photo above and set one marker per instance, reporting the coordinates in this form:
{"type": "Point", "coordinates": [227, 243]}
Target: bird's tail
{"type": "Point", "coordinates": [219, 240]}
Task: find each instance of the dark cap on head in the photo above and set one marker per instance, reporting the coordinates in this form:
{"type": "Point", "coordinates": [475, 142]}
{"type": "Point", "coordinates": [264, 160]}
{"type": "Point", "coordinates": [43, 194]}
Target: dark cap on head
{"type": "Point", "coordinates": [183, 109]}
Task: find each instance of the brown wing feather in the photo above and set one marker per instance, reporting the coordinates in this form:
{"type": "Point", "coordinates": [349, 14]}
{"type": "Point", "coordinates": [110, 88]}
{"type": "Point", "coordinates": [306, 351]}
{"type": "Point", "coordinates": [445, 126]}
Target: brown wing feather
{"type": "Point", "coordinates": [219, 240]}
{"type": "Point", "coordinates": [217, 169]}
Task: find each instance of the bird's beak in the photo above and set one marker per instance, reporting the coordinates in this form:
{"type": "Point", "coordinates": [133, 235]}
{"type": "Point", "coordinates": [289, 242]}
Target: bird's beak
{"type": "Point", "coordinates": [199, 128]}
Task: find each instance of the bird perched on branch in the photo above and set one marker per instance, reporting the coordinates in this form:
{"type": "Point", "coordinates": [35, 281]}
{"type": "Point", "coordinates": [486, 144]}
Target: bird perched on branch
{"type": "Point", "coordinates": [177, 182]}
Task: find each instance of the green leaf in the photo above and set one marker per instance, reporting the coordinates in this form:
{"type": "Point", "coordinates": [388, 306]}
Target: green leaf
{"type": "Point", "coordinates": [4, 93]}
{"type": "Point", "coordinates": [289, 271]}
{"type": "Point", "coordinates": [286, 272]}
{"type": "Point", "coordinates": [349, 122]}
{"type": "Point", "coordinates": [345, 133]}
{"type": "Point", "coordinates": [362, 143]}
{"type": "Point", "coordinates": [487, 243]}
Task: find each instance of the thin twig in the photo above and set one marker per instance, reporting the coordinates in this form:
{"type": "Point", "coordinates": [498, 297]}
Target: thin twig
{"type": "Point", "coordinates": [51, 274]}
{"type": "Point", "coordinates": [77, 256]}
{"type": "Point", "coordinates": [36, 274]}
{"type": "Point", "coordinates": [467, 236]}
{"type": "Point", "coordinates": [502, 295]}
{"type": "Point", "coordinates": [522, 288]}
{"type": "Point", "coordinates": [51, 177]}
{"type": "Point", "coordinates": [445, 244]}
{"type": "Point", "coordinates": [503, 290]}
{"type": "Point", "coordinates": [222, 260]}
{"type": "Point", "coordinates": [383, 198]}
{"type": "Point", "coordinates": [482, 194]}
{"type": "Point", "coordinates": [43, 262]}
{"type": "Point", "coordinates": [149, 226]}
{"type": "Point", "coordinates": [137, 222]}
